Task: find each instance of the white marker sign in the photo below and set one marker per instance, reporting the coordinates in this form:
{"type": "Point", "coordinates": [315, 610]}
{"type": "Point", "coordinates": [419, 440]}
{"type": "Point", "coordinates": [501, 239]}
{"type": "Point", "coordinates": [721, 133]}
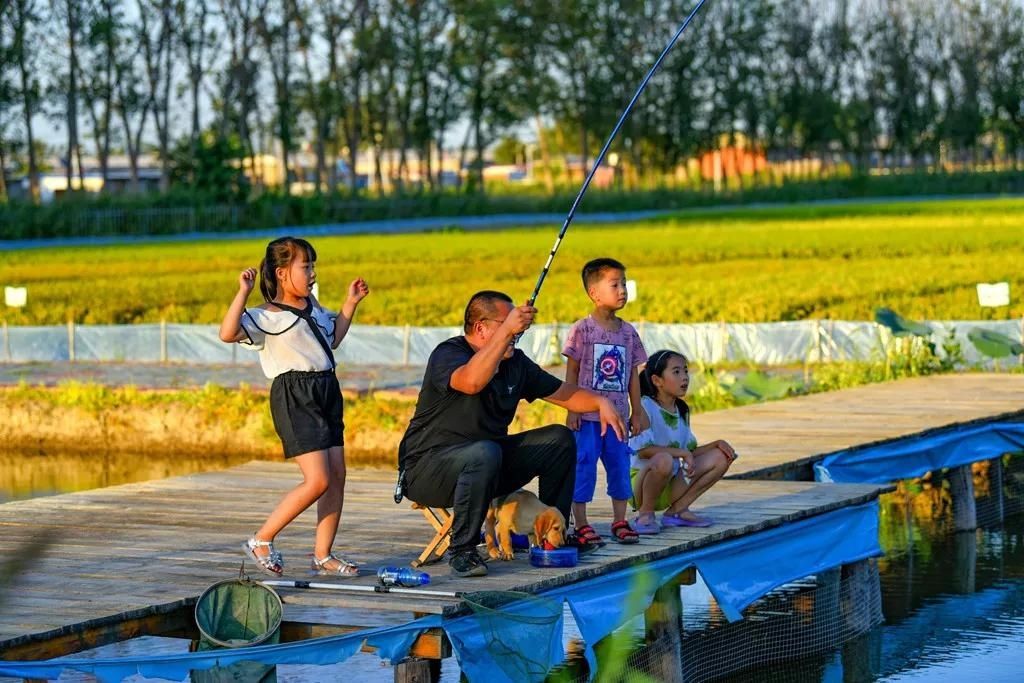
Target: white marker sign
{"type": "Point", "coordinates": [15, 297]}
{"type": "Point", "coordinates": [631, 290]}
{"type": "Point", "coordinates": [994, 294]}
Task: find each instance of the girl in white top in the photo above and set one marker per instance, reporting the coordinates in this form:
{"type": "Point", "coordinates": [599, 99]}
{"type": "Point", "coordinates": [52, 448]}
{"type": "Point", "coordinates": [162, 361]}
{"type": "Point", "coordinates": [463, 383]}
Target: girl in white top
{"type": "Point", "coordinates": [670, 471]}
{"type": "Point", "coordinates": [295, 337]}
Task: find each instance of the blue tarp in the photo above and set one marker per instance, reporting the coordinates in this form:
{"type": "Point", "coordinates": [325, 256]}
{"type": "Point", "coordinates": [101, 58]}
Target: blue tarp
{"type": "Point", "coordinates": [910, 458]}
{"type": "Point", "coordinates": [737, 571]}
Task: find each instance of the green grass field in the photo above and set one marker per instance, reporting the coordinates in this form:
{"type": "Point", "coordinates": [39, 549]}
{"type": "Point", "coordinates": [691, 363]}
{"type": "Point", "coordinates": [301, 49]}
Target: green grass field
{"type": "Point", "coordinates": [922, 259]}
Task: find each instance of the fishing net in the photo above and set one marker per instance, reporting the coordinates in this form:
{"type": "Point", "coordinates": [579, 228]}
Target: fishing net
{"type": "Point", "coordinates": [520, 631]}
{"type": "Point", "coordinates": [238, 613]}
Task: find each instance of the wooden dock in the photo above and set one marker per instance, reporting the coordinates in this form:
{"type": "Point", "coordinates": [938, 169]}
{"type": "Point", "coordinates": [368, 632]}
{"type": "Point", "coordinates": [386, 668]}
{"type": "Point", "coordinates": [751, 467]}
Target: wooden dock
{"type": "Point", "coordinates": [782, 439]}
{"type": "Point", "coordinates": [131, 560]}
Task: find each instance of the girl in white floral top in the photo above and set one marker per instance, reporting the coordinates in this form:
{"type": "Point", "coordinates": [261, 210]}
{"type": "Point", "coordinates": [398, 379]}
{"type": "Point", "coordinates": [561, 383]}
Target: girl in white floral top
{"type": "Point", "coordinates": [669, 470]}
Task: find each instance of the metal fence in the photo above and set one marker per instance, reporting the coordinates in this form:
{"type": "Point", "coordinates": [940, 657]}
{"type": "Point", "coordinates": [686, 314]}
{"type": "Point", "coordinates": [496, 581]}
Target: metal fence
{"type": "Point", "coordinates": [763, 344]}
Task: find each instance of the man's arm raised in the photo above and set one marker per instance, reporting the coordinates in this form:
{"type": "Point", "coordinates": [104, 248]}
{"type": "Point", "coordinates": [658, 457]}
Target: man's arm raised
{"type": "Point", "coordinates": [472, 377]}
{"type": "Point", "coordinates": [572, 397]}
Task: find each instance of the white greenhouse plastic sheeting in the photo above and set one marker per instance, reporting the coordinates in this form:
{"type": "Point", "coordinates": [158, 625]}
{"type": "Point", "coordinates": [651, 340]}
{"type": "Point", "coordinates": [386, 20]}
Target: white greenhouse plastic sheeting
{"type": "Point", "coordinates": [764, 344]}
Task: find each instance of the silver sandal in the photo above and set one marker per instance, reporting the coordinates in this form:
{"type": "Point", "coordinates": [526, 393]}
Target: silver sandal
{"type": "Point", "coordinates": [272, 562]}
{"type": "Point", "coordinates": [345, 568]}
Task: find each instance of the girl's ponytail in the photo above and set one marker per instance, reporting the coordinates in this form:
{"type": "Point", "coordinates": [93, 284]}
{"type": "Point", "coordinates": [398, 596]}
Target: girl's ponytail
{"type": "Point", "coordinates": [268, 277]}
{"type": "Point", "coordinates": [647, 387]}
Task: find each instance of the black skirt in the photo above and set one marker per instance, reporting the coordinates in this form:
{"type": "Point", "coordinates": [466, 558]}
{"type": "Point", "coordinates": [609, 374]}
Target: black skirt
{"type": "Point", "coordinates": [307, 411]}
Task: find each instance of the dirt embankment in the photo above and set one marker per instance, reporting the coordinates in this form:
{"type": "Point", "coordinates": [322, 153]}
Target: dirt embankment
{"type": "Point", "coordinates": [43, 427]}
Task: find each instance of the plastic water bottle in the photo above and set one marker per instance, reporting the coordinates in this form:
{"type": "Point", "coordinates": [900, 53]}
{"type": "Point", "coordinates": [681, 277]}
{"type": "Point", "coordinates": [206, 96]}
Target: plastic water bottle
{"type": "Point", "coordinates": [402, 576]}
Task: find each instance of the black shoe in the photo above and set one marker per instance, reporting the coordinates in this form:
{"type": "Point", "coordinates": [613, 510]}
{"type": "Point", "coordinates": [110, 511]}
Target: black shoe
{"type": "Point", "coordinates": [467, 563]}
{"type": "Point", "coordinates": [582, 546]}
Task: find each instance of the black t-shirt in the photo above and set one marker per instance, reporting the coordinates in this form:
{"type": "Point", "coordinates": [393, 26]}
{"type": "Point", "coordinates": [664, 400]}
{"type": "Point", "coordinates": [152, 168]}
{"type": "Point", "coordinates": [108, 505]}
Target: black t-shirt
{"type": "Point", "coordinates": [446, 417]}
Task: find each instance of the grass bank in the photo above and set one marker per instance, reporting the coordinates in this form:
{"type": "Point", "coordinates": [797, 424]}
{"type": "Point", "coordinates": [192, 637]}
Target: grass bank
{"type": "Point", "coordinates": [231, 425]}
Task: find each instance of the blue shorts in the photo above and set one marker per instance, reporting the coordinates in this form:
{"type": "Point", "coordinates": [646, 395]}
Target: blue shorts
{"type": "Point", "coordinates": [591, 446]}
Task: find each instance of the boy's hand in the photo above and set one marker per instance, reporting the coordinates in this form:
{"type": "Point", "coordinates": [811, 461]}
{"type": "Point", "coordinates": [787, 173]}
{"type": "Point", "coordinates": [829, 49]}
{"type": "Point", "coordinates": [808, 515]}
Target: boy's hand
{"type": "Point", "coordinates": [687, 459]}
{"type": "Point", "coordinates": [519, 319]}
{"type": "Point", "coordinates": [572, 421]}
{"type": "Point", "coordinates": [358, 290]}
{"type": "Point", "coordinates": [638, 422]}
{"type": "Point", "coordinates": [610, 418]}
{"type": "Point", "coordinates": [247, 280]}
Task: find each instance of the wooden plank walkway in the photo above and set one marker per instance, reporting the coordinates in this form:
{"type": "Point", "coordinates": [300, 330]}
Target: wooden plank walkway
{"type": "Point", "coordinates": [151, 548]}
{"type": "Point", "coordinates": [130, 559]}
{"type": "Point", "coordinates": [780, 439]}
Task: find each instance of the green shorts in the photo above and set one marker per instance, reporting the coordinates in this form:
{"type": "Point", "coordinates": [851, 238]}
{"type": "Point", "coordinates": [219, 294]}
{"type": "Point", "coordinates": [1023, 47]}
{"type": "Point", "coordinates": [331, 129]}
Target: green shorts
{"type": "Point", "coordinates": [664, 498]}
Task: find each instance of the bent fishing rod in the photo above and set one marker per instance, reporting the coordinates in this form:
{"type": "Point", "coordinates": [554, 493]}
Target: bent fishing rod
{"type": "Point", "coordinates": [400, 483]}
{"type": "Point", "coordinates": [604, 151]}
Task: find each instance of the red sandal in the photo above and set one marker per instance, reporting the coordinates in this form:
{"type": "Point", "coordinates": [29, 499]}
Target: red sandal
{"type": "Point", "coordinates": [623, 533]}
{"type": "Point", "coordinates": [587, 539]}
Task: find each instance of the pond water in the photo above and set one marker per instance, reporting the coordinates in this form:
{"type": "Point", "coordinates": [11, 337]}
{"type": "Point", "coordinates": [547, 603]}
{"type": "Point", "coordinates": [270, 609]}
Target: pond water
{"type": "Point", "coordinates": [953, 604]}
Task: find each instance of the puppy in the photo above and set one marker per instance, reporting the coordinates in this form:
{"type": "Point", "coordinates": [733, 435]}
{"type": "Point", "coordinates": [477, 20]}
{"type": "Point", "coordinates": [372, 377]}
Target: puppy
{"type": "Point", "coordinates": [523, 513]}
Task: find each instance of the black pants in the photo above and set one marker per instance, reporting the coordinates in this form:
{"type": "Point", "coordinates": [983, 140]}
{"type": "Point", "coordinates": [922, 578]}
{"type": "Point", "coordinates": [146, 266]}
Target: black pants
{"type": "Point", "coordinates": [466, 477]}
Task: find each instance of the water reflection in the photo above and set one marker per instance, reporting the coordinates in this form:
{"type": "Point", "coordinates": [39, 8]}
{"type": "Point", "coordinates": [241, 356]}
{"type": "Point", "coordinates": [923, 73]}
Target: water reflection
{"type": "Point", "coordinates": [953, 602]}
{"type": "Point", "coordinates": [29, 475]}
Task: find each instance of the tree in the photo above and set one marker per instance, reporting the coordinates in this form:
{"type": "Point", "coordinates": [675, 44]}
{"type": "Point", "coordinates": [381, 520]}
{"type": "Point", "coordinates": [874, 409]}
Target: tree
{"type": "Point", "coordinates": [23, 17]}
{"type": "Point", "coordinates": [71, 16]}
{"type": "Point", "coordinates": [195, 34]}
{"type": "Point", "coordinates": [103, 43]}
{"type": "Point", "coordinates": [274, 24]}
{"type": "Point", "coordinates": [486, 74]}
{"type": "Point", "coordinates": [237, 95]}
{"type": "Point", "coordinates": [210, 163]}
{"type": "Point", "coordinates": [156, 31]}
{"type": "Point", "coordinates": [132, 104]}
{"type": "Point", "coordinates": [1005, 74]}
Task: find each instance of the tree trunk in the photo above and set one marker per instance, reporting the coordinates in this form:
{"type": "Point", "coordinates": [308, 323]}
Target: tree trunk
{"type": "Point", "coordinates": [108, 95]}
{"type": "Point", "coordinates": [22, 19]}
{"type": "Point", "coordinates": [71, 6]}
{"type": "Point", "coordinates": [545, 156]}
{"type": "Point", "coordinates": [165, 130]}
{"type": "Point", "coordinates": [3, 177]}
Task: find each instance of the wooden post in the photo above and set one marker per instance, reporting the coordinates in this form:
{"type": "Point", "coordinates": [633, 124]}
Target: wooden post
{"type": "Point", "coordinates": [664, 626]}
{"type": "Point", "coordinates": [416, 670]}
{"type": "Point", "coordinates": [406, 334]}
{"type": "Point", "coordinates": [966, 561]}
{"type": "Point", "coordinates": [961, 484]}
{"type": "Point", "coordinates": [861, 601]}
{"type": "Point", "coordinates": [71, 340]}
{"type": "Point", "coordinates": [995, 487]}
{"type": "Point", "coordinates": [862, 657]}
{"type": "Point", "coordinates": [163, 341]}
{"type": "Point", "coordinates": [817, 341]}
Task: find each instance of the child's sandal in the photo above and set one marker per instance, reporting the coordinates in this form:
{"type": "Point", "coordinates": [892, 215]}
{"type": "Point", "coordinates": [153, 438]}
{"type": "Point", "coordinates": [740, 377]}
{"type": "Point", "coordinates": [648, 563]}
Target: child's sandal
{"type": "Point", "coordinates": [588, 536]}
{"type": "Point", "coordinates": [272, 562]}
{"type": "Point", "coordinates": [623, 533]}
{"type": "Point", "coordinates": [345, 568]}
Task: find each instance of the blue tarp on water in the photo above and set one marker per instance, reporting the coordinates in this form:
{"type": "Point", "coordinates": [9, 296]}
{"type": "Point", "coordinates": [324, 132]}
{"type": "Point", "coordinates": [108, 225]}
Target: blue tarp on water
{"type": "Point", "coordinates": [737, 571]}
{"type": "Point", "coordinates": [908, 458]}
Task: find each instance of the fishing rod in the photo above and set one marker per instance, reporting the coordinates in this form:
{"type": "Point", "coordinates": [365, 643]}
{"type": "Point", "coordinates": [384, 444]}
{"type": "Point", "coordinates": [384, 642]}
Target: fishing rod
{"type": "Point", "coordinates": [604, 151]}
{"type": "Point", "coordinates": [400, 482]}
{"type": "Point", "coordinates": [313, 585]}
